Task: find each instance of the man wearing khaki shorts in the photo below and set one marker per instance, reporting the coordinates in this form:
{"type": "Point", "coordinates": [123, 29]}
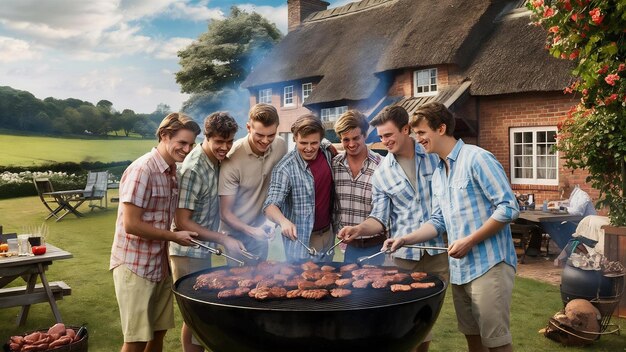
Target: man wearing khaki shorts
{"type": "Point", "coordinates": [148, 196]}
{"type": "Point", "coordinates": [473, 202]}
{"type": "Point", "coordinates": [198, 205]}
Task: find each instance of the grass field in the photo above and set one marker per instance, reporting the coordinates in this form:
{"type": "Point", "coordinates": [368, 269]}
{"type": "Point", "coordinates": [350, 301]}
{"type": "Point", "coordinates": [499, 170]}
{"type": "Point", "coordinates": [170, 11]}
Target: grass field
{"type": "Point", "coordinates": [34, 150]}
{"type": "Point", "coordinates": [93, 299]}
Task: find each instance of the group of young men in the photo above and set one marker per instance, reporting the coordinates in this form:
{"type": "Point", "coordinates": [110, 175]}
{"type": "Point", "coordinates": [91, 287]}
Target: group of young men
{"type": "Point", "coordinates": [233, 193]}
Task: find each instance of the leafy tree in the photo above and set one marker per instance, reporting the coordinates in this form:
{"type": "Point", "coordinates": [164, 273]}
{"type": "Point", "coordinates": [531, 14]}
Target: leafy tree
{"type": "Point", "coordinates": [223, 56]}
{"type": "Point", "coordinates": [105, 105]}
{"type": "Point", "coordinates": [593, 137]}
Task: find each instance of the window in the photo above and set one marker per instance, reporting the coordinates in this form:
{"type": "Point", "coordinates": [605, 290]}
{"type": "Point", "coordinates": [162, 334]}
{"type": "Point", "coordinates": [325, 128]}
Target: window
{"type": "Point", "coordinates": [533, 158]}
{"type": "Point", "coordinates": [265, 96]}
{"type": "Point", "coordinates": [332, 114]}
{"type": "Point", "coordinates": [307, 88]}
{"type": "Point", "coordinates": [288, 96]}
{"type": "Point", "coordinates": [288, 137]}
{"type": "Point", "coordinates": [425, 82]}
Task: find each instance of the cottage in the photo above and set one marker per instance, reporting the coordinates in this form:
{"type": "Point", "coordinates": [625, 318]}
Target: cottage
{"type": "Point", "coordinates": [480, 58]}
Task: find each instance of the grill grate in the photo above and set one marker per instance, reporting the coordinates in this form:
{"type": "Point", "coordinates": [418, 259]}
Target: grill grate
{"type": "Point", "coordinates": [368, 298]}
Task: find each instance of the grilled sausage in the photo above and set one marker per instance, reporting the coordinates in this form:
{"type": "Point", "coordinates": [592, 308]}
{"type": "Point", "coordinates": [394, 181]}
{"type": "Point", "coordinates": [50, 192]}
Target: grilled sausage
{"type": "Point", "coordinates": [422, 284]}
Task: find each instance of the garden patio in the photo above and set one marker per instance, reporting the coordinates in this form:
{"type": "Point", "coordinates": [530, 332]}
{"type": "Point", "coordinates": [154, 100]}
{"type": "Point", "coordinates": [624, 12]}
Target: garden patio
{"type": "Point", "coordinates": [93, 303]}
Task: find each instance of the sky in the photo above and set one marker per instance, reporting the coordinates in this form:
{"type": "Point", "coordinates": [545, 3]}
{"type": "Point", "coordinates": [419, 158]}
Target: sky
{"type": "Point", "coordinates": [123, 51]}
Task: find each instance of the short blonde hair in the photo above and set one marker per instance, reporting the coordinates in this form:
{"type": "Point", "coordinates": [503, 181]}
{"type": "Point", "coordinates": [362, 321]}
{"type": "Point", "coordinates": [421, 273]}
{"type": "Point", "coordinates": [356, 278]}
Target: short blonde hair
{"type": "Point", "coordinates": [175, 122]}
{"type": "Point", "coordinates": [307, 124]}
{"type": "Point", "coordinates": [264, 113]}
{"type": "Point", "coordinates": [350, 120]}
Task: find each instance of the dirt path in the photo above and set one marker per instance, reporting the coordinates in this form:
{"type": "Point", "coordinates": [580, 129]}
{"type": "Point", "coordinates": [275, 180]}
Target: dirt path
{"type": "Point", "coordinates": [541, 268]}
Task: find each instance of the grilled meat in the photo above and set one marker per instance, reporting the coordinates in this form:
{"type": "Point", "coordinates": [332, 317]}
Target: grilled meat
{"type": "Point", "coordinates": [325, 282]}
{"type": "Point", "coordinates": [417, 276]}
{"type": "Point", "coordinates": [343, 282]}
{"type": "Point", "coordinates": [327, 268]}
{"type": "Point", "coordinates": [314, 294]}
{"type": "Point", "coordinates": [340, 292]}
{"type": "Point", "coordinates": [309, 266]}
{"type": "Point", "coordinates": [306, 285]}
{"type": "Point", "coordinates": [294, 293]}
{"type": "Point", "coordinates": [400, 288]}
{"type": "Point", "coordinates": [383, 282]}
{"type": "Point", "coordinates": [422, 284]}
{"type": "Point", "coordinates": [363, 283]}
{"type": "Point", "coordinates": [312, 275]}
{"type": "Point", "coordinates": [348, 267]}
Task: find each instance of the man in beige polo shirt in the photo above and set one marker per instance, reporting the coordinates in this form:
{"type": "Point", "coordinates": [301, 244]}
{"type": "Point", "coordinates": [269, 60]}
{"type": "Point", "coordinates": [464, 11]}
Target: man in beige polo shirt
{"type": "Point", "coordinates": [244, 180]}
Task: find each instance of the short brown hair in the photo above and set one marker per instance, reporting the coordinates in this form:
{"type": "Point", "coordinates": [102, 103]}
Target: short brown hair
{"type": "Point", "coordinates": [350, 120]}
{"type": "Point", "coordinates": [265, 114]}
{"type": "Point", "coordinates": [307, 124]}
{"type": "Point", "coordinates": [435, 114]}
{"type": "Point", "coordinates": [174, 122]}
{"type": "Point", "coordinates": [395, 114]}
{"type": "Point", "coordinates": [220, 123]}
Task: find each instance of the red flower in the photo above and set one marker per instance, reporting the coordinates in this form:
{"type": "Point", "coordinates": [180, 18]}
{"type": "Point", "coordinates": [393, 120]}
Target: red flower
{"type": "Point", "coordinates": [603, 70]}
{"type": "Point", "coordinates": [612, 98]}
{"type": "Point", "coordinates": [574, 54]}
{"type": "Point", "coordinates": [621, 67]}
{"type": "Point", "coordinates": [585, 91]}
{"type": "Point", "coordinates": [567, 5]}
{"type": "Point", "coordinates": [577, 16]}
{"type": "Point", "coordinates": [548, 12]}
{"type": "Point", "coordinates": [553, 29]}
{"type": "Point", "coordinates": [596, 16]}
{"type": "Point", "coordinates": [610, 79]}
{"type": "Point", "coordinates": [537, 3]}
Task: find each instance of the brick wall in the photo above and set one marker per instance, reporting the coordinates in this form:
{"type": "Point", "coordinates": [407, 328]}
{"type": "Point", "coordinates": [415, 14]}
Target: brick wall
{"type": "Point", "coordinates": [497, 114]}
{"type": "Point", "coordinates": [403, 81]}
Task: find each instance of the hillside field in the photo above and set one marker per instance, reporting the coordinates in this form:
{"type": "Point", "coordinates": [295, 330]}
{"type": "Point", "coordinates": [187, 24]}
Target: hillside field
{"type": "Point", "coordinates": [35, 150]}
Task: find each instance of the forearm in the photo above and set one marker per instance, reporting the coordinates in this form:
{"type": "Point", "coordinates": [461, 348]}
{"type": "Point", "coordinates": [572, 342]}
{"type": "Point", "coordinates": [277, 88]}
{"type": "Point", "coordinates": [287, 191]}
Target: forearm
{"type": "Point", "coordinates": [273, 213]}
{"type": "Point", "coordinates": [488, 229]}
{"type": "Point", "coordinates": [369, 227]}
{"type": "Point", "coordinates": [230, 219]}
{"type": "Point", "coordinates": [203, 233]}
{"type": "Point", "coordinates": [422, 234]}
{"type": "Point", "coordinates": [147, 231]}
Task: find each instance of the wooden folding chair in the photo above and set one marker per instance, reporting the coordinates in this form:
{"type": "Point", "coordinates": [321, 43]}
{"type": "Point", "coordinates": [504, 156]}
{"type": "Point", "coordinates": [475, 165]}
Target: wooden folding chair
{"type": "Point", "coordinates": [43, 185]}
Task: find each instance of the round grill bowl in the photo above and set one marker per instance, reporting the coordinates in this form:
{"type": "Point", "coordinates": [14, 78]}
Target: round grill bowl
{"type": "Point", "coordinates": [369, 319]}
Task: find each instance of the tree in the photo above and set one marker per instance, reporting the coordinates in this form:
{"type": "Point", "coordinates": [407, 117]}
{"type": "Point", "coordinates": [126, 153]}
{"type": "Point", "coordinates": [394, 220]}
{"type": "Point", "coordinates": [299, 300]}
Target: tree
{"type": "Point", "coordinates": [593, 137]}
{"type": "Point", "coordinates": [223, 56]}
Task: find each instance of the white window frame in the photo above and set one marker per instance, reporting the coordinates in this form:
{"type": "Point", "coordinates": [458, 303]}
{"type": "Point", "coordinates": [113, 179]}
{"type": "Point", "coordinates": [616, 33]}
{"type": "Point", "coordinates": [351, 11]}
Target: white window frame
{"type": "Point", "coordinates": [332, 114]}
{"type": "Point", "coordinates": [533, 155]}
{"type": "Point", "coordinates": [288, 96]}
{"type": "Point", "coordinates": [307, 88]}
{"type": "Point", "coordinates": [265, 95]}
{"type": "Point", "coordinates": [430, 88]}
{"type": "Point", "coordinates": [288, 137]}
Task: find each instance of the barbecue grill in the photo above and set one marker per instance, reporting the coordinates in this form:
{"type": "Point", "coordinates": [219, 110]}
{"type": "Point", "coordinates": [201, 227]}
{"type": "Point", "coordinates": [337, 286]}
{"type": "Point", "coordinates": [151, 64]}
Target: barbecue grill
{"type": "Point", "coordinates": [369, 319]}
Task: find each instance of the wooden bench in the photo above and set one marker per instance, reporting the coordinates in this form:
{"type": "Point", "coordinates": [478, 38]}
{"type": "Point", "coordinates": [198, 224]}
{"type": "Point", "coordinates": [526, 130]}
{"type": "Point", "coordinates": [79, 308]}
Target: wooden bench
{"type": "Point", "coordinates": [17, 296]}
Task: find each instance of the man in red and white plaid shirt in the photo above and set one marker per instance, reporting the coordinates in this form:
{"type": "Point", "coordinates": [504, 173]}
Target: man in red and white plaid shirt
{"type": "Point", "coordinates": [139, 256]}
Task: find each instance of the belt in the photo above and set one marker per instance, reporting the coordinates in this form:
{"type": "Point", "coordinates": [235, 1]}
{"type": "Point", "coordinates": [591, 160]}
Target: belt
{"type": "Point", "coordinates": [368, 242]}
{"type": "Point", "coordinates": [320, 231]}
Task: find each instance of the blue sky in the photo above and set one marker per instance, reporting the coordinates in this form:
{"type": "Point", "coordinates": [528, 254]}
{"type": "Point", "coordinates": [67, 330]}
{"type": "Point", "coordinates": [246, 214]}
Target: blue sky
{"type": "Point", "coordinates": [120, 50]}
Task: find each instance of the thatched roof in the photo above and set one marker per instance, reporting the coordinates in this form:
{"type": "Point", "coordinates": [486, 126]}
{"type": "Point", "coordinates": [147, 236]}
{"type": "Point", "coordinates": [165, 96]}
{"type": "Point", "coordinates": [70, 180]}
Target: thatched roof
{"type": "Point", "coordinates": [514, 60]}
{"type": "Point", "coordinates": [351, 49]}
{"type": "Point", "coordinates": [347, 46]}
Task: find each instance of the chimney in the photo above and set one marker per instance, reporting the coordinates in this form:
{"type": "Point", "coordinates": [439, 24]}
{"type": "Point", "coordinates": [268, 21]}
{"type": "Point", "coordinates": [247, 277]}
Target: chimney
{"type": "Point", "coordinates": [298, 10]}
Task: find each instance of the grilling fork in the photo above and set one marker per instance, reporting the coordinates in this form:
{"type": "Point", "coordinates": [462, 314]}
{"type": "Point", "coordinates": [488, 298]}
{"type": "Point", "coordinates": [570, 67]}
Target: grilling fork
{"type": "Point", "coordinates": [330, 250]}
{"type": "Point", "coordinates": [312, 251]}
{"type": "Point", "coordinates": [216, 251]}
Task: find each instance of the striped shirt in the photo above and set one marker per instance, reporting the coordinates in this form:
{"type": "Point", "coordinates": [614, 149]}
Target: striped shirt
{"type": "Point", "coordinates": [148, 183]}
{"type": "Point", "coordinates": [197, 183]}
{"type": "Point", "coordinates": [400, 207]}
{"type": "Point", "coordinates": [354, 195]}
{"type": "Point", "coordinates": [475, 190]}
{"type": "Point", "coordinates": [292, 190]}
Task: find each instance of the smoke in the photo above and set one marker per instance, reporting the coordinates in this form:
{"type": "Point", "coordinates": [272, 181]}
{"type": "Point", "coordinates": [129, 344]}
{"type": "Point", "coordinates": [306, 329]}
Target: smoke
{"type": "Point", "coordinates": [236, 102]}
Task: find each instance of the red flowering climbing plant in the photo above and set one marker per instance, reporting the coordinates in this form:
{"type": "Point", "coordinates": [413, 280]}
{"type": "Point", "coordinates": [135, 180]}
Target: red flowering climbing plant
{"type": "Point", "coordinates": [592, 33]}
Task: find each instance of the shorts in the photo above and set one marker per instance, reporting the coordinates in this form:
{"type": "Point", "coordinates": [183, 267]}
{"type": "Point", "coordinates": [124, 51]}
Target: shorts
{"type": "Point", "coordinates": [182, 265]}
{"type": "Point", "coordinates": [145, 306]}
{"type": "Point", "coordinates": [483, 306]}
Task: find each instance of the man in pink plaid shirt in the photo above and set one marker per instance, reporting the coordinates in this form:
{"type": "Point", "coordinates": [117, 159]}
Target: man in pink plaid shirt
{"type": "Point", "coordinates": [139, 256]}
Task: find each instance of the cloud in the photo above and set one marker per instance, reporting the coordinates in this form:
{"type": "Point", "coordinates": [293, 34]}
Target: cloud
{"type": "Point", "coordinates": [200, 12]}
{"type": "Point", "coordinates": [12, 49]}
{"type": "Point", "coordinates": [170, 48]}
{"type": "Point", "coordinates": [277, 15]}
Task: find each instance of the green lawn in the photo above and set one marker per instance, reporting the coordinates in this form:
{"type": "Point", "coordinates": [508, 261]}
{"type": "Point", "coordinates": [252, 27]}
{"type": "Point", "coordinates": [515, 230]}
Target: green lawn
{"type": "Point", "coordinates": [34, 150]}
{"type": "Point", "coordinates": [93, 298]}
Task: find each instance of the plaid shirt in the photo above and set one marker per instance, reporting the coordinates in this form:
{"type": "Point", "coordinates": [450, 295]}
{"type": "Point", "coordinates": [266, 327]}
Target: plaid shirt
{"type": "Point", "coordinates": [150, 184]}
{"type": "Point", "coordinates": [400, 206]}
{"type": "Point", "coordinates": [353, 195]}
{"type": "Point", "coordinates": [197, 183]}
{"type": "Point", "coordinates": [292, 191]}
{"type": "Point", "coordinates": [475, 189]}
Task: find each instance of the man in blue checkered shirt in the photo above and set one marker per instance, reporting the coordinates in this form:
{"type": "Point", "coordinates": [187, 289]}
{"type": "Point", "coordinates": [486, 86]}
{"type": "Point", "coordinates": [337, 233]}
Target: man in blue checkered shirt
{"type": "Point", "coordinates": [473, 202]}
{"type": "Point", "coordinates": [300, 196]}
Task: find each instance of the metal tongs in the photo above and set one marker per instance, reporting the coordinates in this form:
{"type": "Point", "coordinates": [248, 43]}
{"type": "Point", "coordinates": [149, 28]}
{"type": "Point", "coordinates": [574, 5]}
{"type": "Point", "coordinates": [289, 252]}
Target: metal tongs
{"type": "Point", "coordinates": [360, 260]}
{"type": "Point", "coordinates": [363, 259]}
{"type": "Point", "coordinates": [426, 247]}
{"type": "Point", "coordinates": [312, 251]}
{"type": "Point", "coordinates": [330, 250]}
{"type": "Point", "coordinates": [218, 251]}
